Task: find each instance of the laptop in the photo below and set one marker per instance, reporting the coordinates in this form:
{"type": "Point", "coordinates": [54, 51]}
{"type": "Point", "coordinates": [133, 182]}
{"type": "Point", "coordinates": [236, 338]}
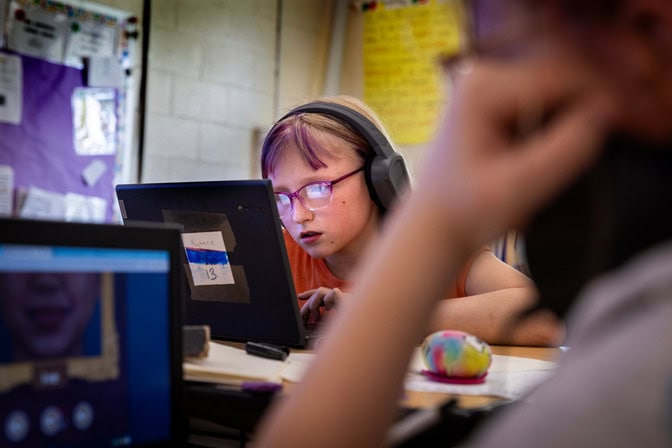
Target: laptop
{"type": "Point", "coordinates": [90, 340]}
{"type": "Point", "coordinates": [235, 260]}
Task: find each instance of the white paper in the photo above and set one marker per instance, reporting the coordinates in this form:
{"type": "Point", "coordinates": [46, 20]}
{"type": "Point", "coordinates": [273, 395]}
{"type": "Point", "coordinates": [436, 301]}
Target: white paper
{"type": "Point", "coordinates": [296, 366]}
{"type": "Point", "coordinates": [509, 377]}
{"type": "Point", "coordinates": [89, 39]}
{"type": "Point", "coordinates": [94, 121]}
{"type": "Point", "coordinates": [93, 171]}
{"type": "Point", "coordinates": [231, 362]}
{"type": "Point", "coordinates": [42, 204]}
{"type": "Point", "coordinates": [40, 34]}
{"type": "Point", "coordinates": [208, 259]}
{"type": "Point", "coordinates": [11, 88]}
{"type": "Point", "coordinates": [105, 72]}
{"type": "Point", "coordinates": [6, 189]}
{"type": "Point", "coordinates": [82, 208]}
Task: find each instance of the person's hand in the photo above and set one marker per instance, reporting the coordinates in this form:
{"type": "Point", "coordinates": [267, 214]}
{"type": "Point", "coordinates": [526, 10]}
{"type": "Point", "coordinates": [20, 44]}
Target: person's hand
{"type": "Point", "coordinates": [515, 134]}
{"type": "Point", "coordinates": [316, 299]}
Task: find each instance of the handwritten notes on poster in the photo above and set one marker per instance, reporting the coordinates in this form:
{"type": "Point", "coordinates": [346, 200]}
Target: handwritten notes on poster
{"type": "Point", "coordinates": [402, 40]}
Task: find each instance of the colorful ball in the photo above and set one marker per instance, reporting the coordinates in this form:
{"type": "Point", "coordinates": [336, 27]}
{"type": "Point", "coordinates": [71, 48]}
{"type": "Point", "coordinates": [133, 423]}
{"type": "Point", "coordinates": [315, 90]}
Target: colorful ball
{"type": "Point", "coordinates": [456, 354]}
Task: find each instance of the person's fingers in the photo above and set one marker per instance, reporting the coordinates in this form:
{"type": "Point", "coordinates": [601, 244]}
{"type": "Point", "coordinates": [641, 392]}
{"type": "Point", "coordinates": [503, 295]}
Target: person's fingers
{"type": "Point", "coordinates": [306, 294]}
{"type": "Point", "coordinates": [305, 313]}
{"type": "Point", "coordinates": [315, 309]}
{"type": "Point", "coordinates": [307, 308]}
{"type": "Point", "coordinates": [332, 298]}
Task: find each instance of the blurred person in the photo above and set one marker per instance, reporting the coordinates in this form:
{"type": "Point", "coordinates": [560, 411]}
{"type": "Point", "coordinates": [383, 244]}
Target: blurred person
{"type": "Point", "coordinates": [47, 313]}
{"type": "Point", "coordinates": [561, 97]}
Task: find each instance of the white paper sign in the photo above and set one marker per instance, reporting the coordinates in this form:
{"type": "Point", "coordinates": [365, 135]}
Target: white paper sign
{"type": "Point", "coordinates": [89, 39]}
{"type": "Point", "coordinates": [43, 204]}
{"type": "Point", "coordinates": [207, 258]}
{"type": "Point", "coordinates": [6, 190]}
{"type": "Point", "coordinates": [93, 171]}
{"type": "Point", "coordinates": [11, 87]}
{"type": "Point", "coordinates": [83, 208]}
{"type": "Point", "coordinates": [36, 32]}
{"type": "Point", "coordinates": [105, 72]}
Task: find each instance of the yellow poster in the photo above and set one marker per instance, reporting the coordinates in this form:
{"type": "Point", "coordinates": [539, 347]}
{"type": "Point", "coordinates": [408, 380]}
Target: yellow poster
{"type": "Point", "coordinates": [402, 40]}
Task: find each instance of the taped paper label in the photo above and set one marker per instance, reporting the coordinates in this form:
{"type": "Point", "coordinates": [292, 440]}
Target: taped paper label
{"type": "Point", "coordinates": [207, 258]}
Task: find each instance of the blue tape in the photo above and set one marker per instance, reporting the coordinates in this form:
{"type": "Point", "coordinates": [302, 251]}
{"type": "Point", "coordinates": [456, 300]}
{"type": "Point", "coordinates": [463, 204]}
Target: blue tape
{"type": "Point", "coordinates": [209, 257]}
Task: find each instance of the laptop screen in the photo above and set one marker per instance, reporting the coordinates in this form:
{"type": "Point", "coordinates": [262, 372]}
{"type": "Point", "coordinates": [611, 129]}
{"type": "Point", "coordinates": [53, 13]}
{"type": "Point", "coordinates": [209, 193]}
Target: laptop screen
{"type": "Point", "coordinates": [87, 351]}
{"type": "Point", "coordinates": [235, 260]}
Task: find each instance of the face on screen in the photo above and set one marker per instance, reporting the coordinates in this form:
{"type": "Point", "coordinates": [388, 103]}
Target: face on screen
{"type": "Point", "coordinates": [47, 313]}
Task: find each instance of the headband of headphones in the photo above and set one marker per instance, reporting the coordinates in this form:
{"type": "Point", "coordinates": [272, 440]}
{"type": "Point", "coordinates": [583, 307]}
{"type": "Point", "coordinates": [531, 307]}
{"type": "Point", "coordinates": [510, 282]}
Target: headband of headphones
{"type": "Point", "coordinates": [386, 173]}
{"type": "Point", "coordinates": [373, 136]}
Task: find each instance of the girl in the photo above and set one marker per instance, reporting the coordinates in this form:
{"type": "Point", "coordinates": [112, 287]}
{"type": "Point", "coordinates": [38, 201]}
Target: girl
{"type": "Point", "coordinates": [324, 174]}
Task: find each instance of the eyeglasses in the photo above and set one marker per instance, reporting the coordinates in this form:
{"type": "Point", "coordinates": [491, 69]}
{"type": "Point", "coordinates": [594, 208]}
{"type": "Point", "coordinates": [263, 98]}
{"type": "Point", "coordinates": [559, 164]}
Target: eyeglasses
{"type": "Point", "coordinates": [313, 196]}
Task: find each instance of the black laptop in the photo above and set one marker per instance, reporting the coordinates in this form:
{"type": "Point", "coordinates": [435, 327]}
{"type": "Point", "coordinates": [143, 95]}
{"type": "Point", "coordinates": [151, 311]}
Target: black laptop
{"type": "Point", "coordinates": [235, 261]}
{"type": "Point", "coordinates": [90, 340]}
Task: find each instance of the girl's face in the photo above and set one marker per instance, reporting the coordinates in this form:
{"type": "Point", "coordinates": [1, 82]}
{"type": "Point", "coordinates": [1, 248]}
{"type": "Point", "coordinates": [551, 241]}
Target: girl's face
{"type": "Point", "coordinates": [344, 226]}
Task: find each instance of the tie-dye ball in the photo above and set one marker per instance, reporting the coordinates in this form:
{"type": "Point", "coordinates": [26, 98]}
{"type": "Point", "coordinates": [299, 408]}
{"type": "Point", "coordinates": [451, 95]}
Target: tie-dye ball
{"type": "Point", "coordinates": [456, 354]}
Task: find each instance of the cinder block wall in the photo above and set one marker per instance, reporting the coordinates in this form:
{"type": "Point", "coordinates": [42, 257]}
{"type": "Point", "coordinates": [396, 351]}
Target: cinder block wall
{"type": "Point", "coordinates": [211, 91]}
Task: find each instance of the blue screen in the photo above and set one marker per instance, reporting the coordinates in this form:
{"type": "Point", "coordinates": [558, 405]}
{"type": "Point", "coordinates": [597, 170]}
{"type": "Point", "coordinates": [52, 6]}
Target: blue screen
{"type": "Point", "coordinates": [85, 346]}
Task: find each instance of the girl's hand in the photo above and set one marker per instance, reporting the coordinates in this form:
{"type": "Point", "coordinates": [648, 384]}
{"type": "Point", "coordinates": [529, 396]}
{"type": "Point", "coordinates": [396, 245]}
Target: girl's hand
{"type": "Point", "coordinates": [316, 299]}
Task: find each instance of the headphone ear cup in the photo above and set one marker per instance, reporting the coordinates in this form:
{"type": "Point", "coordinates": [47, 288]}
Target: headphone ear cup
{"type": "Point", "coordinates": [386, 178]}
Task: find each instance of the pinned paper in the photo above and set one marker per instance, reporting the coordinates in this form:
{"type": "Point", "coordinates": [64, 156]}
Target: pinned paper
{"type": "Point", "coordinates": [37, 203]}
{"type": "Point", "coordinates": [42, 204]}
{"type": "Point", "coordinates": [94, 120]}
{"type": "Point", "coordinates": [37, 32]}
{"type": "Point", "coordinates": [207, 258]}
{"type": "Point", "coordinates": [93, 171]}
{"type": "Point", "coordinates": [90, 39]}
{"type": "Point", "coordinates": [82, 208]}
{"type": "Point", "coordinates": [402, 81]}
{"type": "Point", "coordinates": [105, 72]}
{"type": "Point", "coordinates": [6, 190]}
{"type": "Point", "coordinates": [11, 88]}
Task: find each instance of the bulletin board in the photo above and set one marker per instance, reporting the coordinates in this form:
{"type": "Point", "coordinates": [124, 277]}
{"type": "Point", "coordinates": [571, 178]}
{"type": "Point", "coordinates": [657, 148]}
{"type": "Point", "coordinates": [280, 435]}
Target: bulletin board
{"type": "Point", "coordinates": [402, 81]}
{"type": "Point", "coordinates": [63, 82]}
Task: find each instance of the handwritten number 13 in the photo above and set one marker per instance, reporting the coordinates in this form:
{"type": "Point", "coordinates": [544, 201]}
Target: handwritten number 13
{"type": "Point", "coordinates": [210, 272]}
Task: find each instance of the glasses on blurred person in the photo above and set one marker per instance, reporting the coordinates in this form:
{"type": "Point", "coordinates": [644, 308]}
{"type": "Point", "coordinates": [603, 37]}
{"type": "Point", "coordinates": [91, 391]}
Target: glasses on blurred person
{"type": "Point", "coordinates": [313, 196]}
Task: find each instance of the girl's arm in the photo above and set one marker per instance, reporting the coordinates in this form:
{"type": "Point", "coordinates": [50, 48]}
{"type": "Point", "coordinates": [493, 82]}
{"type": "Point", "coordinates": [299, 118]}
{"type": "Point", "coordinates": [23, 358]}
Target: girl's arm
{"type": "Point", "coordinates": [498, 295]}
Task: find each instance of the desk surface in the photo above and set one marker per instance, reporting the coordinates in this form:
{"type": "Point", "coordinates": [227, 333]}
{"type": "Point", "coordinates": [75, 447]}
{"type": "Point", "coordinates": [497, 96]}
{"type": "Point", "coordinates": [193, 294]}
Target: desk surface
{"type": "Point", "coordinates": [417, 399]}
{"type": "Point", "coordinates": [243, 410]}
{"type": "Point", "coordinates": [422, 399]}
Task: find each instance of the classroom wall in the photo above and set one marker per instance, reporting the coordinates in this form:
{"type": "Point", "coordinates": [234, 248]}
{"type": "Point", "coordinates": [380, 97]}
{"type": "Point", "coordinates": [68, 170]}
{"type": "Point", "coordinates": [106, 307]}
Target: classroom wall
{"type": "Point", "coordinates": [211, 89]}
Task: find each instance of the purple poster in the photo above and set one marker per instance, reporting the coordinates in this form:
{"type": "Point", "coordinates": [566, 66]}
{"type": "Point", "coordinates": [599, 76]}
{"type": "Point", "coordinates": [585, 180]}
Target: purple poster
{"type": "Point", "coordinates": [41, 149]}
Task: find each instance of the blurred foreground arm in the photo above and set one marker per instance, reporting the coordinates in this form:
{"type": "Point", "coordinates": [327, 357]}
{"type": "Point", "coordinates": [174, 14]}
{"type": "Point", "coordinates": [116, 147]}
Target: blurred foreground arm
{"type": "Point", "coordinates": [477, 182]}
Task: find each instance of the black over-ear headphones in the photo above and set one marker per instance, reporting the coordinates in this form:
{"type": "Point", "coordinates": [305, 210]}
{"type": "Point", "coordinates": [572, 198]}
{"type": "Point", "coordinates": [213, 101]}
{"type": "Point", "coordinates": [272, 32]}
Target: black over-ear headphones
{"type": "Point", "coordinates": [386, 174]}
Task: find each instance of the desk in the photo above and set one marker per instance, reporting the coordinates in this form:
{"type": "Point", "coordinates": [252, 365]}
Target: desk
{"type": "Point", "coordinates": [243, 410]}
{"type": "Point", "coordinates": [415, 399]}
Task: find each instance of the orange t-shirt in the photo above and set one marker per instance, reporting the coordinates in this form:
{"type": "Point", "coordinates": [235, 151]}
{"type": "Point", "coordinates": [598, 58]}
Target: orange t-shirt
{"type": "Point", "coordinates": [310, 273]}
